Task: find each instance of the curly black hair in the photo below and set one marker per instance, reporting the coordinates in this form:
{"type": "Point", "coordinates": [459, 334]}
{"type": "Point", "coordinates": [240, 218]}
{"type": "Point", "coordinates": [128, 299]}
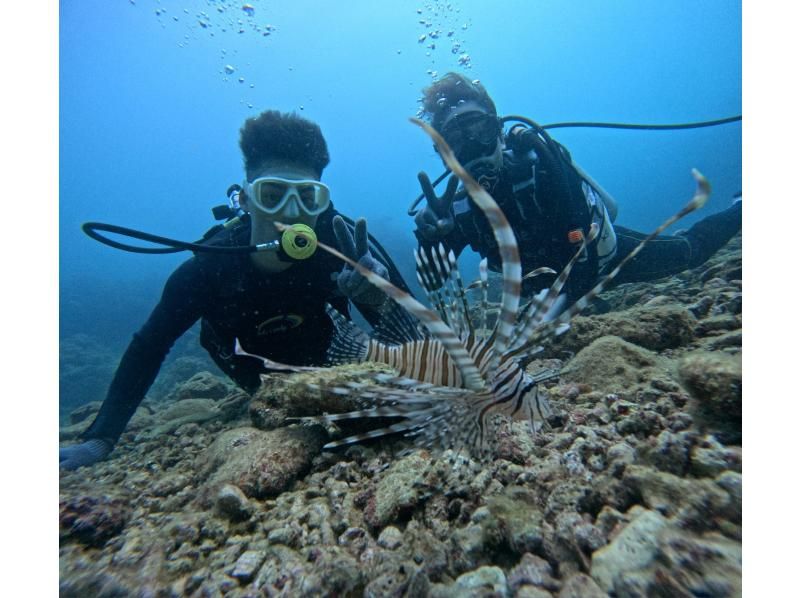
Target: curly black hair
{"type": "Point", "coordinates": [278, 136]}
{"type": "Point", "coordinates": [443, 95]}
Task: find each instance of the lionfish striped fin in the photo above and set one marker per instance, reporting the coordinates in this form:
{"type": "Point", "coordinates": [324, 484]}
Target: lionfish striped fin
{"type": "Point", "coordinates": [438, 270]}
{"type": "Point", "coordinates": [503, 234]}
{"type": "Point", "coordinates": [419, 406]}
{"type": "Point", "coordinates": [539, 272]}
{"type": "Point", "coordinates": [396, 326]}
{"type": "Point", "coordinates": [439, 330]}
{"type": "Point", "coordinates": [444, 287]}
{"type": "Point", "coordinates": [430, 286]}
{"type": "Point", "coordinates": [460, 293]}
{"type": "Point", "coordinates": [561, 323]}
{"type": "Point", "coordinates": [348, 343]}
{"type": "Point", "coordinates": [445, 271]}
{"type": "Point", "coordinates": [534, 302]}
{"type": "Point", "coordinates": [538, 309]}
{"type": "Point", "coordinates": [272, 365]}
{"type": "Point", "coordinates": [483, 270]}
{"type": "Point", "coordinates": [701, 194]}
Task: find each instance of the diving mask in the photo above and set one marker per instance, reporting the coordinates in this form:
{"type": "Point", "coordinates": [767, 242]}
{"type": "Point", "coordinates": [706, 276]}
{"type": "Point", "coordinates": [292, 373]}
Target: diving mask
{"type": "Point", "coordinates": [271, 194]}
{"type": "Point", "coordinates": [471, 135]}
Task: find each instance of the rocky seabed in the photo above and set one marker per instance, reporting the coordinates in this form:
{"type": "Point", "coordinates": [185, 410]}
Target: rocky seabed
{"type": "Point", "coordinates": [634, 490]}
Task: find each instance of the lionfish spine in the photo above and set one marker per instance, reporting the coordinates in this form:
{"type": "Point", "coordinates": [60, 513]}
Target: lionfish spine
{"type": "Point", "coordinates": [503, 234]}
{"type": "Point", "coordinates": [555, 326]}
{"type": "Point", "coordinates": [537, 310]}
{"type": "Point", "coordinates": [442, 273]}
{"type": "Point", "coordinates": [448, 287]}
{"type": "Point", "coordinates": [270, 364]}
{"type": "Point", "coordinates": [427, 279]}
{"type": "Point", "coordinates": [699, 199]}
{"type": "Point", "coordinates": [460, 294]}
{"type": "Point", "coordinates": [483, 269]}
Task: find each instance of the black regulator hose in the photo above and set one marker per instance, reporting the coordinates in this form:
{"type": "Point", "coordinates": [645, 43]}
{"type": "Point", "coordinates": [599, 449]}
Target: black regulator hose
{"type": "Point", "coordinates": [300, 251]}
{"type": "Point", "coordinates": [595, 125]}
{"type": "Point", "coordinates": [412, 211]}
{"type": "Point", "coordinates": [172, 245]}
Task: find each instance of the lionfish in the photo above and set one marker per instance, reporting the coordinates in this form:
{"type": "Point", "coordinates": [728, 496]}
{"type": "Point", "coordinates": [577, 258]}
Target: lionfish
{"type": "Point", "coordinates": [458, 380]}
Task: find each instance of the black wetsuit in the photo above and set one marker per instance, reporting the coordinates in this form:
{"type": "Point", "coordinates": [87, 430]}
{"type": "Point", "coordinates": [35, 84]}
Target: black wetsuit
{"type": "Point", "coordinates": [542, 213]}
{"type": "Point", "coordinates": [277, 315]}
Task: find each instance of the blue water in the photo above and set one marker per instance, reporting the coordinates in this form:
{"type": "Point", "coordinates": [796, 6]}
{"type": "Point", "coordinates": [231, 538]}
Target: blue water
{"type": "Point", "coordinates": [149, 119]}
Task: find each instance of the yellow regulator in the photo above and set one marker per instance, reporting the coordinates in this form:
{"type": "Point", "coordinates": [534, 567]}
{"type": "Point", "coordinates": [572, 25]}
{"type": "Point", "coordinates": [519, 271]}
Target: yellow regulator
{"type": "Point", "coordinates": [299, 241]}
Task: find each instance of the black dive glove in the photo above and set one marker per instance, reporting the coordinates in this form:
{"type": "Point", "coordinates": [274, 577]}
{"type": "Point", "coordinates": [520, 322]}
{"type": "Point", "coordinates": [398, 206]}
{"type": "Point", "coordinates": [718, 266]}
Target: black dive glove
{"type": "Point", "coordinates": [352, 285]}
{"type": "Point", "coordinates": [85, 453]}
{"type": "Point", "coordinates": [436, 219]}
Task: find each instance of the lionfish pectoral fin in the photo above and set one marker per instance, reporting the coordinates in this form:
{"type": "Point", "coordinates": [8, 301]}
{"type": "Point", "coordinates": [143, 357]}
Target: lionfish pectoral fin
{"type": "Point", "coordinates": [348, 343]}
{"type": "Point", "coordinates": [396, 326]}
{"type": "Point", "coordinates": [545, 375]}
{"type": "Point", "coordinates": [539, 411]}
{"type": "Point", "coordinates": [402, 427]}
{"type": "Point", "coordinates": [379, 433]}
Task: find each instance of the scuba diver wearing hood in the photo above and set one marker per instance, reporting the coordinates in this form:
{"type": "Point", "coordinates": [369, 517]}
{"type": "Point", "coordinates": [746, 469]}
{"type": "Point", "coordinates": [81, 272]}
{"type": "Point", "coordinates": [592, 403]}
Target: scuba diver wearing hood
{"type": "Point", "coordinates": [549, 201]}
{"type": "Point", "coordinates": [274, 302]}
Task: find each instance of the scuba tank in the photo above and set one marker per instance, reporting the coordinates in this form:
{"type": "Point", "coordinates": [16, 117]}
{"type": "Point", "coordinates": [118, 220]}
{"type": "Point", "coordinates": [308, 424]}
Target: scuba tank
{"type": "Point", "coordinates": [578, 202]}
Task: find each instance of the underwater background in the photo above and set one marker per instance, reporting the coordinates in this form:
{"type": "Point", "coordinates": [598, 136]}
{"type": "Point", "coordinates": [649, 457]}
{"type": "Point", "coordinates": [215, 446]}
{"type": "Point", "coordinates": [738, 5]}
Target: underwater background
{"type": "Point", "coordinates": [152, 96]}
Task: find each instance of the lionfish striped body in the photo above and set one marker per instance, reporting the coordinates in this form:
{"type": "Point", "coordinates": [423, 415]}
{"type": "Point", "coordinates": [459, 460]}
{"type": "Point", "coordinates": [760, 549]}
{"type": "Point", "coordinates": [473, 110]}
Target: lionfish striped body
{"type": "Point", "coordinates": [457, 377]}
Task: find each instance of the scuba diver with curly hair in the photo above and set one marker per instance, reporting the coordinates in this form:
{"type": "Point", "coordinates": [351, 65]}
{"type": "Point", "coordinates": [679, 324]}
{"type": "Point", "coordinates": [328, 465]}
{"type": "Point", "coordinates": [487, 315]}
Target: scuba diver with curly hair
{"type": "Point", "coordinates": [549, 201]}
{"type": "Point", "coordinates": [273, 302]}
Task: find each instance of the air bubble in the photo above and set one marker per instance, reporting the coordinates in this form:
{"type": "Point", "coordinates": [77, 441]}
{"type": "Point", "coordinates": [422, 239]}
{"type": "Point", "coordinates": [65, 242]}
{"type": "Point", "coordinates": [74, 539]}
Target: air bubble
{"type": "Point", "coordinates": [229, 69]}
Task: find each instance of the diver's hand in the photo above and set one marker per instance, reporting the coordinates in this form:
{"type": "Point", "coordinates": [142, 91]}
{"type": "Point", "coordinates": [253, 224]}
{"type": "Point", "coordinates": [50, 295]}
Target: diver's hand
{"type": "Point", "coordinates": [85, 453]}
{"type": "Point", "coordinates": [350, 282]}
{"type": "Point", "coordinates": [435, 220]}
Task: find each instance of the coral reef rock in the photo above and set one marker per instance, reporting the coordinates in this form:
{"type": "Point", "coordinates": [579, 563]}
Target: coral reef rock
{"type": "Point", "coordinates": [715, 382]}
{"type": "Point", "coordinates": [261, 464]}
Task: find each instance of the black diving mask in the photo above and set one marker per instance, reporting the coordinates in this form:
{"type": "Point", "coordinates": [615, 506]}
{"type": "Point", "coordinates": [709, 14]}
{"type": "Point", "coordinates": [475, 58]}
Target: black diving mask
{"type": "Point", "coordinates": [471, 135]}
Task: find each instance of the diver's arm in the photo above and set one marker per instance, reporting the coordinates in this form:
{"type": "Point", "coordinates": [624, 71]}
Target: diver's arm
{"type": "Point", "coordinates": [180, 307]}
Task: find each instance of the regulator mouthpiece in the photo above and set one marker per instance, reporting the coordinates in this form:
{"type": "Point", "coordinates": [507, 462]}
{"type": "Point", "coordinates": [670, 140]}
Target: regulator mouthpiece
{"type": "Point", "coordinates": [299, 241]}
